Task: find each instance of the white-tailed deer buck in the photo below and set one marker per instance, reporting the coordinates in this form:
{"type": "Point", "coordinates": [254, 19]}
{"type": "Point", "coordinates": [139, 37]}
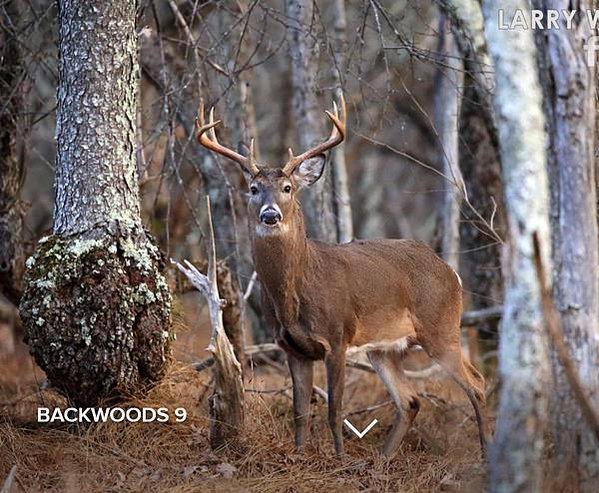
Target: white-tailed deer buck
{"type": "Point", "coordinates": [384, 296]}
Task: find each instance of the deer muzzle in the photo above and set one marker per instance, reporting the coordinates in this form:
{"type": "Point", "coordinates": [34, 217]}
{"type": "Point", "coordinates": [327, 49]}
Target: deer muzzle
{"type": "Point", "coordinates": [270, 214]}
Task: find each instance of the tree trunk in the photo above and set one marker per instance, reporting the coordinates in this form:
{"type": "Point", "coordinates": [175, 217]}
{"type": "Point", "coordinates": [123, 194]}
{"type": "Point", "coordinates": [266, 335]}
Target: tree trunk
{"type": "Point", "coordinates": [569, 89]}
{"type": "Point", "coordinates": [516, 457]}
{"type": "Point", "coordinates": [12, 256]}
{"type": "Point", "coordinates": [342, 199]}
{"type": "Point", "coordinates": [468, 26]}
{"type": "Point", "coordinates": [448, 86]}
{"type": "Point", "coordinates": [96, 307]}
{"type": "Point", "coordinates": [481, 253]}
{"type": "Point", "coordinates": [308, 118]}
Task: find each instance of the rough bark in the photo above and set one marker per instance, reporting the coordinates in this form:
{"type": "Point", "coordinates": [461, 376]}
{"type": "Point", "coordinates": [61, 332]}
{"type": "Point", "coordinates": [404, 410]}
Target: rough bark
{"type": "Point", "coordinates": [308, 118]}
{"type": "Point", "coordinates": [569, 90]}
{"type": "Point", "coordinates": [448, 96]}
{"type": "Point", "coordinates": [516, 454]}
{"type": "Point", "coordinates": [96, 307]}
{"type": "Point", "coordinates": [341, 195]}
{"type": "Point", "coordinates": [12, 256]}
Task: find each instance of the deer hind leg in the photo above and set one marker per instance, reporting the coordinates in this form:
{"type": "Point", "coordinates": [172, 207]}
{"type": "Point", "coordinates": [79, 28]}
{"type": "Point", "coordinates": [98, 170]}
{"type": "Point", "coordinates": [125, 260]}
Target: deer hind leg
{"type": "Point", "coordinates": [302, 371]}
{"type": "Point", "coordinates": [471, 382]}
{"type": "Point", "coordinates": [387, 364]}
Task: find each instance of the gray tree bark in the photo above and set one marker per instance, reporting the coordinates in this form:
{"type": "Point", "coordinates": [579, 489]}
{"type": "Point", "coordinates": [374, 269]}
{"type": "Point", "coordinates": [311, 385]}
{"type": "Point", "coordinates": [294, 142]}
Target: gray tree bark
{"type": "Point", "coordinates": [468, 25]}
{"type": "Point", "coordinates": [308, 118]}
{"type": "Point", "coordinates": [342, 198]}
{"type": "Point", "coordinates": [569, 90]}
{"type": "Point", "coordinates": [96, 307]}
{"type": "Point", "coordinates": [448, 101]}
{"type": "Point", "coordinates": [516, 457]}
{"type": "Point", "coordinates": [12, 256]}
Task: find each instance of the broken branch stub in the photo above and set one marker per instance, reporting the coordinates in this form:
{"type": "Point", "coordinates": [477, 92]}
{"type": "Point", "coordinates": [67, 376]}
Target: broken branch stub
{"type": "Point", "coordinates": [226, 402]}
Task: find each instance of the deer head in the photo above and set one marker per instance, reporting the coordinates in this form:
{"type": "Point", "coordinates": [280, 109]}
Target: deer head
{"type": "Point", "coordinates": [273, 204]}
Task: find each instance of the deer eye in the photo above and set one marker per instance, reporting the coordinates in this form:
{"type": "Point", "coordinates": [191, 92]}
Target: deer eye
{"type": "Point", "coordinates": [287, 189]}
{"type": "Point", "coordinates": [254, 189]}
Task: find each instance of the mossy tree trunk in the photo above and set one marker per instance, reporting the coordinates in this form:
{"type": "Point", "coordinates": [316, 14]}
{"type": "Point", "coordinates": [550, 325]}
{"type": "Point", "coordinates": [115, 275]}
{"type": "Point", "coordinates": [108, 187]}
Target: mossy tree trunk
{"type": "Point", "coordinates": [96, 307]}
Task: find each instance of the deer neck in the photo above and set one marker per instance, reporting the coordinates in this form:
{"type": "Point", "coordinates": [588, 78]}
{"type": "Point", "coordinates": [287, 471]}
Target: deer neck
{"type": "Point", "coordinates": [281, 261]}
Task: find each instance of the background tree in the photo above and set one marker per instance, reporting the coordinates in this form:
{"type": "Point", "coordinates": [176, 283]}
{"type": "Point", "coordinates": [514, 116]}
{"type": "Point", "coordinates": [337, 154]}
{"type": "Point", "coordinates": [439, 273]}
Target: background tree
{"type": "Point", "coordinates": [516, 456]}
{"type": "Point", "coordinates": [96, 307]}
{"type": "Point", "coordinates": [12, 172]}
{"type": "Point", "coordinates": [308, 119]}
{"type": "Point", "coordinates": [448, 101]}
{"type": "Point", "coordinates": [480, 241]}
{"type": "Point", "coordinates": [341, 196]}
{"type": "Point", "coordinates": [569, 91]}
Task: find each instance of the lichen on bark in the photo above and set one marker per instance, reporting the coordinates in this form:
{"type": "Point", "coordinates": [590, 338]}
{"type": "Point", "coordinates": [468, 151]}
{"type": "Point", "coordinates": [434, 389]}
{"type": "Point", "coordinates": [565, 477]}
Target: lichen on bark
{"type": "Point", "coordinates": [96, 309]}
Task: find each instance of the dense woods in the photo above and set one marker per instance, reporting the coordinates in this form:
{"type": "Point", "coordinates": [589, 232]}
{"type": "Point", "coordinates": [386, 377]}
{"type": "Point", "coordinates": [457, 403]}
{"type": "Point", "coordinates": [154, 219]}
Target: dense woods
{"type": "Point", "coordinates": [134, 274]}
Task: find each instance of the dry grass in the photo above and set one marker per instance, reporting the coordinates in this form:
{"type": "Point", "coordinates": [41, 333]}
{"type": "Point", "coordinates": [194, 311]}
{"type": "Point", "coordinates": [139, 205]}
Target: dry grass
{"type": "Point", "coordinates": [441, 453]}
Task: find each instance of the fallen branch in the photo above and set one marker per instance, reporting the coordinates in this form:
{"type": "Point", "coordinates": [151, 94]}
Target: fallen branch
{"type": "Point", "coordinates": [374, 407]}
{"type": "Point", "coordinates": [268, 391]}
{"type": "Point", "coordinates": [554, 328]}
{"type": "Point", "coordinates": [249, 351]}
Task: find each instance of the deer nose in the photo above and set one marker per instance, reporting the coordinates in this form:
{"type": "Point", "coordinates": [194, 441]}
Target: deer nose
{"type": "Point", "coordinates": [270, 216]}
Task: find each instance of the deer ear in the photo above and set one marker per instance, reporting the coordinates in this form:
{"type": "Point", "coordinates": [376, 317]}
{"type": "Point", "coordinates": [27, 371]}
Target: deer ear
{"type": "Point", "coordinates": [309, 171]}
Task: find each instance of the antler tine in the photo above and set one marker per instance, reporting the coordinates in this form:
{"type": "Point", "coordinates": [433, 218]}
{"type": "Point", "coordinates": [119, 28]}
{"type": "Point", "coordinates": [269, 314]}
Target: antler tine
{"type": "Point", "coordinates": [336, 137]}
{"type": "Point", "coordinates": [212, 130]}
{"type": "Point", "coordinates": [206, 136]}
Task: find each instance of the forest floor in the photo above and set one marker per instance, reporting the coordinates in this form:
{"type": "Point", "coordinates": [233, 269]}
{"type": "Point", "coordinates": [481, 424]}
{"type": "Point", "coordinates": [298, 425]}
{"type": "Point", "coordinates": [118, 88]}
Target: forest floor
{"type": "Point", "coordinates": [440, 453]}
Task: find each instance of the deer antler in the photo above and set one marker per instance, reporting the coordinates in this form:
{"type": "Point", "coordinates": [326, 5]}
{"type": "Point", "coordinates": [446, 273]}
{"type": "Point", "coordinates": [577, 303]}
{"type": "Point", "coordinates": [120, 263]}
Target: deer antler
{"type": "Point", "coordinates": [210, 142]}
{"type": "Point", "coordinates": [336, 137]}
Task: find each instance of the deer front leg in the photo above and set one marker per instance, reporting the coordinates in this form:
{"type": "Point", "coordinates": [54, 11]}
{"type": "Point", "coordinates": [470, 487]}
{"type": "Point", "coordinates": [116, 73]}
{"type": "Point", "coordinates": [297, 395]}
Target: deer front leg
{"type": "Point", "coordinates": [302, 372]}
{"type": "Point", "coordinates": [335, 364]}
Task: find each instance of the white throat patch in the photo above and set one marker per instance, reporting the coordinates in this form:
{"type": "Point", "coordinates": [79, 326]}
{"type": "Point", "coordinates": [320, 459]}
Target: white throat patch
{"type": "Point", "coordinates": [264, 230]}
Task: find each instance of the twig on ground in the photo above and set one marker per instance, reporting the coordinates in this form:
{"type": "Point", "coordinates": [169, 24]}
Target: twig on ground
{"type": "Point", "coordinates": [268, 391]}
{"type": "Point", "coordinates": [374, 407]}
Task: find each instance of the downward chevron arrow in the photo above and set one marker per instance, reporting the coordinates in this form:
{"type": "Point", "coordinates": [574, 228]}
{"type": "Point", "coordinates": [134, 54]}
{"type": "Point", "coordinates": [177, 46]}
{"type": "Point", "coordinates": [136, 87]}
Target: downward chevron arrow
{"type": "Point", "coordinates": [355, 430]}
